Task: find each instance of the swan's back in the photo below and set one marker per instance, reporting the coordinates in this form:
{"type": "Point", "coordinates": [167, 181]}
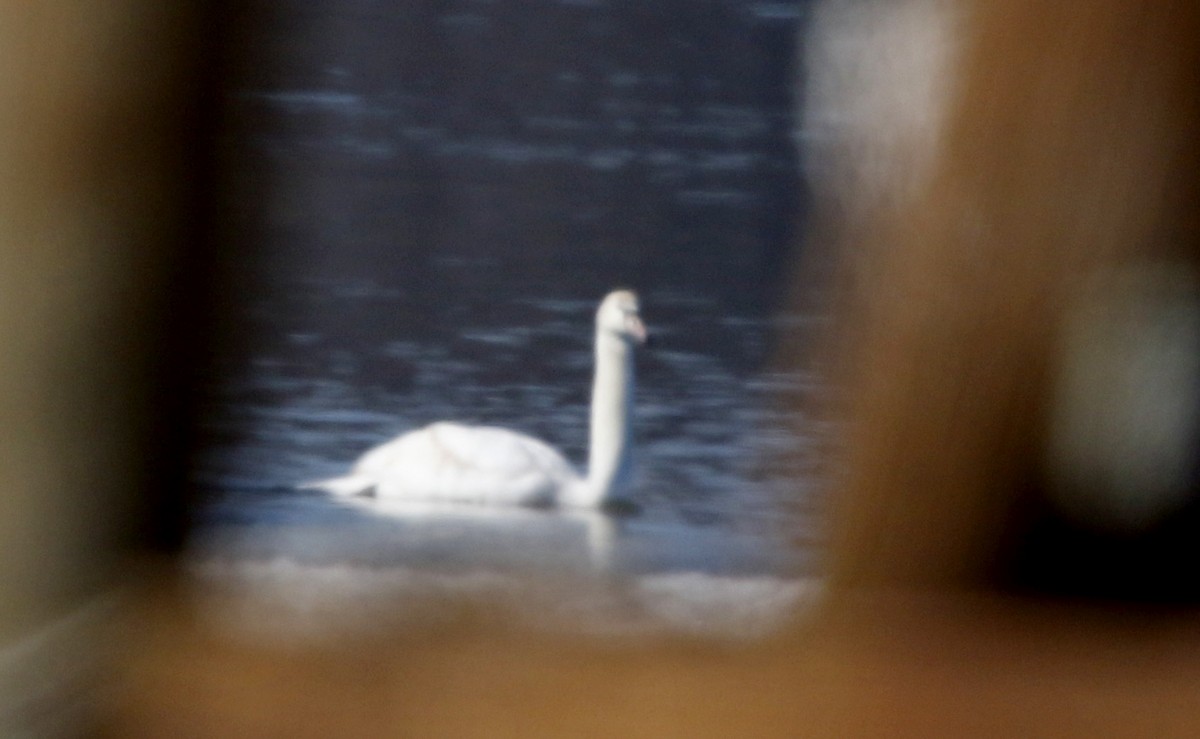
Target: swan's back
{"type": "Point", "coordinates": [470, 464]}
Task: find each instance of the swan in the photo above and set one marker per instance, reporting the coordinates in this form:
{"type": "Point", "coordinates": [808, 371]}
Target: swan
{"type": "Point", "coordinates": [452, 462]}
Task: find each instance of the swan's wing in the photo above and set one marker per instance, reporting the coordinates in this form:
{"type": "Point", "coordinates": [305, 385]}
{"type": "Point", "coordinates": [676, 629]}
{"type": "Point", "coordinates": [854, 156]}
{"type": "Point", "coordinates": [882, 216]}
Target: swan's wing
{"type": "Point", "coordinates": [498, 449]}
{"type": "Point", "coordinates": [449, 461]}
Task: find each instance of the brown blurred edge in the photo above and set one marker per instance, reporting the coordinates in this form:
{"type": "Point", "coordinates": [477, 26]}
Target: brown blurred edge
{"type": "Point", "coordinates": [1073, 145]}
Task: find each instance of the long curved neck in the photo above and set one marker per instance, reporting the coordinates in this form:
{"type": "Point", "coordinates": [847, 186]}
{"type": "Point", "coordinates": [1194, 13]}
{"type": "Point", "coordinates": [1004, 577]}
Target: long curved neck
{"type": "Point", "coordinates": [610, 458]}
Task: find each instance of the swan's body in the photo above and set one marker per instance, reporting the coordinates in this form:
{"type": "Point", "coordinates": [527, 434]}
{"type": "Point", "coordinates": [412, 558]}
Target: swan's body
{"type": "Point", "coordinates": [482, 464]}
{"type": "Point", "coordinates": [469, 464]}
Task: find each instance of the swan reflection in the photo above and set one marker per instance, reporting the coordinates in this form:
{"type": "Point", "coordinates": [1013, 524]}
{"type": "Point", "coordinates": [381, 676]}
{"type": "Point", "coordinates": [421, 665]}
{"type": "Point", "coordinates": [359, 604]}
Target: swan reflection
{"type": "Point", "coordinates": [509, 537]}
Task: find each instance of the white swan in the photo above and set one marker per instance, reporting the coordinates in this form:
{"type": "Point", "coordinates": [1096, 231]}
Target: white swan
{"type": "Point", "coordinates": [479, 464]}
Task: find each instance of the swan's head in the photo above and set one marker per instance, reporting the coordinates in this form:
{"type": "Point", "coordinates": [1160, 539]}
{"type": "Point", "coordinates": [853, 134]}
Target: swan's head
{"type": "Point", "coordinates": [618, 317]}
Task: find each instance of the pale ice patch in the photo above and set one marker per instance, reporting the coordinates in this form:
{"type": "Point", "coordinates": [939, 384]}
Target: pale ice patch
{"type": "Point", "coordinates": [281, 600]}
{"type": "Point", "coordinates": [720, 606]}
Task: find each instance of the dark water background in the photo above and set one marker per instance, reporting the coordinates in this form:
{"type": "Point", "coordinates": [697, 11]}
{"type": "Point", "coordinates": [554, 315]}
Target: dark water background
{"type": "Point", "coordinates": [426, 200]}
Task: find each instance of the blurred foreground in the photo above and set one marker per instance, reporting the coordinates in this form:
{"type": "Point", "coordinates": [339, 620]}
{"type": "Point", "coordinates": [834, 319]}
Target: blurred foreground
{"type": "Point", "coordinates": [1007, 554]}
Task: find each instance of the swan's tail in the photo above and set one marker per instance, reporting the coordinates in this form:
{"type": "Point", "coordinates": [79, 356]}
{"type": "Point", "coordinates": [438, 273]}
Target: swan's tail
{"type": "Point", "coordinates": [343, 487]}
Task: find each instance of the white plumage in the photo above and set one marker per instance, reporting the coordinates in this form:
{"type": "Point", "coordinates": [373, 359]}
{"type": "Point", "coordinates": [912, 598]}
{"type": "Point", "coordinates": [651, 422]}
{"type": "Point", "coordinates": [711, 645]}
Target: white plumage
{"type": "Point", "coordinates": [486, 465]}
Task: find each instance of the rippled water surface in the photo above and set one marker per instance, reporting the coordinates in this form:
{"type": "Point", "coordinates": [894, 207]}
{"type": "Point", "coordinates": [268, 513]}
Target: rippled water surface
{"type": "Point", "coordinates": [421, 231]}
{"type": "Point", "coordinates": [719, 445]}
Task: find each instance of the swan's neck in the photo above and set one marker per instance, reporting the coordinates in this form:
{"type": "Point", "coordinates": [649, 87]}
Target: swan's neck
{"type": "Point", "coordinates": [610, 456]}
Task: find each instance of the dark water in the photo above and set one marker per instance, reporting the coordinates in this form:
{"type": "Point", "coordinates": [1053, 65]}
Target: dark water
{"type": "Point", "coordinates": [426, 200]}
